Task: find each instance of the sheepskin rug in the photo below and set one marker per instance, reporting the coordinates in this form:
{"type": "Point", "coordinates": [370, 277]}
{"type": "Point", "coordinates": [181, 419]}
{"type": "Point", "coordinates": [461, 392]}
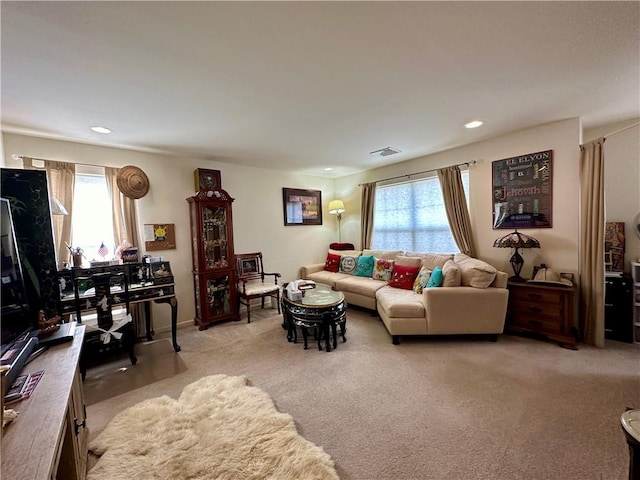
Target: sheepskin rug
{"type": "Point", "coordinates": [219, 428]}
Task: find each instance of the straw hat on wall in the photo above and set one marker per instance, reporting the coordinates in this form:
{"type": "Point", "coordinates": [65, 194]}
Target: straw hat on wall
{"type": "Point", "coordinates": [132, 182]}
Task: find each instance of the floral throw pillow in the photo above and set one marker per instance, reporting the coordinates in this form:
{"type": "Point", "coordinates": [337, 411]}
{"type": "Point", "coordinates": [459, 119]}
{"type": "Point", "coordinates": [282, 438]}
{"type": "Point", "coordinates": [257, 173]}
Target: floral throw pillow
{"type": "Point", "coordinates": [364, 268]}
{"type": "Point", "coordinates": [332, 263]}
{"type": "Point", "coordinates": [403, 276]}
{"type": "Point", "coordinates": [382, 269]}
{"type": "Point", "coordinates": [348, 264]}
{"type": "Point", "coordinates": [420, 283]}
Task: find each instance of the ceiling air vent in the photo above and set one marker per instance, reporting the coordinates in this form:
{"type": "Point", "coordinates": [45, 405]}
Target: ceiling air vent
{"type": "Point", "coordinates": [385, 152]}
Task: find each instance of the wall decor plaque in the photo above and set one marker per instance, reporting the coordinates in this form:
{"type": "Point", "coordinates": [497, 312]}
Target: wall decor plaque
{"type": "Point", "coordinates": [159, 236]}
{"type": "Point", "coordinates": [206, 179]}
{"type": "Point", "coordinates": [522, 191]}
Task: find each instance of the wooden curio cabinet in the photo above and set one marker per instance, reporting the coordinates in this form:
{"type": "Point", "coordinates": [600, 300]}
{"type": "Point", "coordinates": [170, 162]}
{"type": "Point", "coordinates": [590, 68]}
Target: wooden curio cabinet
{"type": "Point", "coordinates": [214, 275]}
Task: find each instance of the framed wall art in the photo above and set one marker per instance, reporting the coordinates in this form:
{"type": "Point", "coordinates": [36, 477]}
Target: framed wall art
{"type": "Point", "coordinates": [302, 207]}
{"type": "Point", "coordinates": [522, 191]}
{"type": "Point", "coordinates": [206, 179]}
{"type": "Point", "coordinates": [159, 236]}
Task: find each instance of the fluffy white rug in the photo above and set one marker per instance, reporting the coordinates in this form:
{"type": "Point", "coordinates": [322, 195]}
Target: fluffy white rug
{"type": "Point", "coordinates": [219, 428]}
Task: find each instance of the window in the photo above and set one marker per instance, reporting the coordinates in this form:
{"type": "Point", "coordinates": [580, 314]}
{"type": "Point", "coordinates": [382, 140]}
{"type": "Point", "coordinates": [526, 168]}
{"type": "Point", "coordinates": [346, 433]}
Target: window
{"type": "Point", "coordinates": [411, 216]}
{"type": "Point", "coordinates": [92, 214]}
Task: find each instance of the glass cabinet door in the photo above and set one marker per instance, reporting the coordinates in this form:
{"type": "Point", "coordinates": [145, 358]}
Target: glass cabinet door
{"type": "Point", "coordinates": [218, 299]}
{"type": "Point", "coordinates": [214, 232]}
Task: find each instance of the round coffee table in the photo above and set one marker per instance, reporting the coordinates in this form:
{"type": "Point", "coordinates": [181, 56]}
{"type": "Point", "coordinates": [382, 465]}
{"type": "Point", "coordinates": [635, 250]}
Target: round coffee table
{"type": "Point", "coordinates": [320, 308]}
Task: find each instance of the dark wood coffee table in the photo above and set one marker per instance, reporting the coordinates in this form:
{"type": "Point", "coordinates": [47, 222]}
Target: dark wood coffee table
{"type": "Point", "coordinates": [321, 309]}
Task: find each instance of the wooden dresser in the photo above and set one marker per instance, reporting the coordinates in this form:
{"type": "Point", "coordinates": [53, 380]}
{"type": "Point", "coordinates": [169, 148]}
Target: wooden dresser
{"type": "Point", "coordinates": [542, 309]}
{"type": "Point", "coordinates": [48, 439]}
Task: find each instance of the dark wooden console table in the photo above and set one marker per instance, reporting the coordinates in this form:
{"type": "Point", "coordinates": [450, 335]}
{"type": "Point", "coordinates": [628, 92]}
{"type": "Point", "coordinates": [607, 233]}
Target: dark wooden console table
{"type": "Point", "coordinates": [546, 310]}
{"type": "Point", "coordinates": [141, 286]}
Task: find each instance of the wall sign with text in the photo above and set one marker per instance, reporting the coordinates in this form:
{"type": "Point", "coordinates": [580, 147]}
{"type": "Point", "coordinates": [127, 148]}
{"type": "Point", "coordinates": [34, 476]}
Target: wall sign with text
{"type": "Point", "coordinates": [522, 191]}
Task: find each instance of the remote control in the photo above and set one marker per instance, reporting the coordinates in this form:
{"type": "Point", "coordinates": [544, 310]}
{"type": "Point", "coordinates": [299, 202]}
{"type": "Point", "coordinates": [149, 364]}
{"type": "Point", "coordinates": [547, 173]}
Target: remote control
{"type": "Point", "coordinates": [36, 353]}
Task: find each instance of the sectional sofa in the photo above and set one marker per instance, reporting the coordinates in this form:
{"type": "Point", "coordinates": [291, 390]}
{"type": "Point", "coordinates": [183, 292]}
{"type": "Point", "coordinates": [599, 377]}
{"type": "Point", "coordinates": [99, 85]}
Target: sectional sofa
{"type": "Point", "coordinates": [471, 298]}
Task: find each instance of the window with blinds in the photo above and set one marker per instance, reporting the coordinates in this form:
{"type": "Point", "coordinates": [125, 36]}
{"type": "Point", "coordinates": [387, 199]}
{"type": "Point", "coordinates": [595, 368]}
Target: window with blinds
{"type": "Point", "coordinates": [411, 216]}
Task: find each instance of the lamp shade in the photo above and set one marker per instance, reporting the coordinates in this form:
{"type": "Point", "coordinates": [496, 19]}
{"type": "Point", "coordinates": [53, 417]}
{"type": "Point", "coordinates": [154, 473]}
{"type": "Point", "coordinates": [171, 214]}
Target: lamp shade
{"type": "Point", "coordinates": [57, 208]}
{"type": "Point", "coordinates": [516, 240]}
{"type": "Point", "coordinates": [336, 206]}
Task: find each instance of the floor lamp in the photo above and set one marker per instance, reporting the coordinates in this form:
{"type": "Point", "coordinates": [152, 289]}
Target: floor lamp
{"type": "Point", "coordinates": [336, 207]}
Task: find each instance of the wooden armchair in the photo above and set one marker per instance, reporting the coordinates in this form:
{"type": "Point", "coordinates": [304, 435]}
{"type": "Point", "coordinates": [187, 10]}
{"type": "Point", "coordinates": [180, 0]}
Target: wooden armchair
{"type": "Point", "coordinates": [251, 284]}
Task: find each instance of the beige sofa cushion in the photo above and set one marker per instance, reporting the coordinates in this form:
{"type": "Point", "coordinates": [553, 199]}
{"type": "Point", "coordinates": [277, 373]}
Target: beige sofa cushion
{"type": "Point", "coordinates": [355, 253]}
{"type": "Point", "coordinates": [475, 273]}
{"type": "Point", "coordinates": [452, 274]}
{"type": "Point", "coordinates": [397, 302]}
{"type": "Point", "coordinates": [408, 261]}
{"type": "Point", "coordinates": [361, 285]}
{"type": "Point", "coordinates": [328, 278]}
{"type": "Point", "coordinates": [386, 254]}
{"type": "Point", "coordinates": [431, 260]}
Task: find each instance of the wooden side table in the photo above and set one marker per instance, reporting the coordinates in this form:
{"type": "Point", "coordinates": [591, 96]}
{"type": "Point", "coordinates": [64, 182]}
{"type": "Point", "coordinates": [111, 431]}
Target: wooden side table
{"type": "Point", "coordinates": [542, 309]}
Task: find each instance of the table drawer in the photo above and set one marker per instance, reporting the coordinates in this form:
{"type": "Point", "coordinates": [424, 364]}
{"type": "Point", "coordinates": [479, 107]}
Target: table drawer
{"type": "Point", "coordinates": [537, 323]}
{"type": "Point", "coordinates": [546, 297]}
{"type": "Point", "coordinates": [553, 312]}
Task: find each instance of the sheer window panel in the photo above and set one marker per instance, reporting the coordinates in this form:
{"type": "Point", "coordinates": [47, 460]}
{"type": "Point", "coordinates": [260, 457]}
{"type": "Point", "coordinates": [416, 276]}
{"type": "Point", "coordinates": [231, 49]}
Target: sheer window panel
{"type": "Point", "coordinates": [411, 216]}
{"type": "Point", "coordinates": [92, 216]}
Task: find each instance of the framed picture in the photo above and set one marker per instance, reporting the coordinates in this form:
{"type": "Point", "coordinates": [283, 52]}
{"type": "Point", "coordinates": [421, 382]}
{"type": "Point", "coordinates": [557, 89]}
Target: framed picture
{"type": "Point", "coordinates": [248, 265]}
{"type": "Point", "coordinates": [522, 191]}
{"type": "Point", "coordinates": [207, 179]}
{"type": "Point", "coordinates": [302, 207]}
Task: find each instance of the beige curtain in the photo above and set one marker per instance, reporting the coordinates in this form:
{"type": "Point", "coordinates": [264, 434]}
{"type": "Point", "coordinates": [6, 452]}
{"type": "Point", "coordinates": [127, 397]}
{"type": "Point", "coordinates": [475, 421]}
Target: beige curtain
{"type": "Point", "coordinates": [366, 214]}
{"type": "Point", "coordinates": [125, 229]}
{"type": "Point", "coordinates": [455, 203]}
{"type": "Point", "coordinates": [592, 242]}
{"type": "Point", "coordinates": [61, 179]}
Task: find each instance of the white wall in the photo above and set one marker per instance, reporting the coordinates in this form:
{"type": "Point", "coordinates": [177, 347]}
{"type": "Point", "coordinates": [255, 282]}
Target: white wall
{"type": "Point", "coordinates": [559, 244]}
{"type": "Point", "coordinates": [257, 209]}
{"type": "Point", "coordinates": [258, 217]}
{"type": "Point", "coordinates": [621, 180]}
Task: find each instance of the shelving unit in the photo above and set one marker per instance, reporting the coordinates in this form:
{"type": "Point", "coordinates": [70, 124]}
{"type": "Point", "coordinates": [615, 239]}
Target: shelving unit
{"type": "Point", "coordinates": [635, 274]}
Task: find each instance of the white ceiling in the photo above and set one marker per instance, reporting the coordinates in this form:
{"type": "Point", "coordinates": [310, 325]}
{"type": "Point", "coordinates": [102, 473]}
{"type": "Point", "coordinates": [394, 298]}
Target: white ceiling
{"type": "Point", "coordinates": [300, 86]}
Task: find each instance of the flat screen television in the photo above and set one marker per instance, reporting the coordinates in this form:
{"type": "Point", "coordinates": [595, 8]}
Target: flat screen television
{"type": "Point", "coordinates": [17, 320]}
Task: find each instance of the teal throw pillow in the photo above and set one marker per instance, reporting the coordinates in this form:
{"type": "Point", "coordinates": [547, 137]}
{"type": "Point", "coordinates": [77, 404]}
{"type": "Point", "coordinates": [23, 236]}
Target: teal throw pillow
{"type": "Point", "coordinates": [436, 278]}
{"type": "Point", "coordinates": [364, 267]}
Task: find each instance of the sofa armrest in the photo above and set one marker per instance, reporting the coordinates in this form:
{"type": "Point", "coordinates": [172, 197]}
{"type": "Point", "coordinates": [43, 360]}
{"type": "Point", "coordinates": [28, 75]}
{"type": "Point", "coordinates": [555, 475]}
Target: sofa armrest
{"type": "Point", "coordinates": [465, 309]}
{"type": "Point", "coordinates": [309, 269]}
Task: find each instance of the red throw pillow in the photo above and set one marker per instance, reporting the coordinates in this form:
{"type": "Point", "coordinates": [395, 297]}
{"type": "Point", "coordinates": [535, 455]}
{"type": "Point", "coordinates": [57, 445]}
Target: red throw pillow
{"type": "Point", "coordinates": [403, 276]}
{"type": "Point", "coordinates": [333, 262]}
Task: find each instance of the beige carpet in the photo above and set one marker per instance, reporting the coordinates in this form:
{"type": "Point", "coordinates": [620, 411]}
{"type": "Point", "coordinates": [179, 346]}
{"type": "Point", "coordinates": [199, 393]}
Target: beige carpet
{"type": "Point", "coordinates": [219, 428]}
{"type": "Point", "coordinates": [447, 408]}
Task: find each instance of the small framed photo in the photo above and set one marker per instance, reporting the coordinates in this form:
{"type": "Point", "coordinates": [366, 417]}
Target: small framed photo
{"type": "Point", "coordinates": [248, 265]}
{"type": "Point", "coordinates": [207, 179]}
{"type": "Point", "coordinates": [302, 207]}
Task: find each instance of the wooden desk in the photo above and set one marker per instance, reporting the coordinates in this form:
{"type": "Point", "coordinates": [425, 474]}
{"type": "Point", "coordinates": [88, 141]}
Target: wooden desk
{"type": "Point", "coordinates": [142, 287]}
{"type": "Point", "coordinates": [49, 437]}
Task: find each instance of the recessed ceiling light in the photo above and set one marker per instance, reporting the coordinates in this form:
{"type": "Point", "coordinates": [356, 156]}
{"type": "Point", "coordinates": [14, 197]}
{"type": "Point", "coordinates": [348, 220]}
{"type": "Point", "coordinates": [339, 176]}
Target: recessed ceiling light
{"type": "Point", "coordinates": [101, 129]}
{"type": "Point", "coordinates": [328, 169]}
{"type": "Point", "coordinates": [474, 124]}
